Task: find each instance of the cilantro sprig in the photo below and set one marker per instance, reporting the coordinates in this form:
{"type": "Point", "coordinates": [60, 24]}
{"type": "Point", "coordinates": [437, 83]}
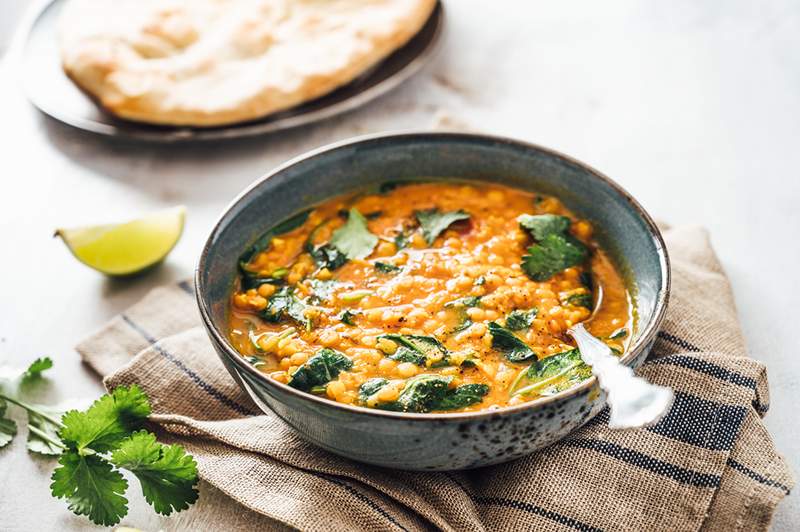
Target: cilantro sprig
{"type": "Point", "coordinates": [96, 444]}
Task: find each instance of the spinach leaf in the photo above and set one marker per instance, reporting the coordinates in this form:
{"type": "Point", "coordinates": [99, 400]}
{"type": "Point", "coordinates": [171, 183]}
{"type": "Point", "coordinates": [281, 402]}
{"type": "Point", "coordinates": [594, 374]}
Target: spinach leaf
{"type": "Point", "coordinates": [424, 393]}
{"type": "Point", "coordinates": [416, 349]}
{"type": "Point", "coordinates": [573, 377]}
{"type": "Point", "coordinates": [370, 388]}
{"type": "Point", "coordinates": [385, 267]}
{"type": "Point", "coordinates": [553, 254]}
{"type": "Point", "coordinates": [264, 240]}
{"type": "Point", "coordinates": [462, 396]}
{"type": "Point", "coordinates": [554, 365]}
{"type": "Point", "coordinates": [504, 340]}
{"type": "Point", "coordinates": [283, 303]}
{"type": "Point", "coordinates": [353, 239]}
{"type": "Point", "coordinates": [327, 256]}
{"type": "Point", "coordinates": [347, 316]}
{"type": "Point", "coordinates": [619, 333]}
{"type": "Point", "coordinates": [578, 300]}
{"type": "Point", "coordinates": [542, 225]}
{"type": "Point", "coordinates": [401, 240]}
{"type": "Point", "coordinates": [433, 222]}
{"type": "Point", "coordinates": [320, 369]}
{"type": "Point", "coordinates": [518, 320]}
{"type": "Point", "coordinates": [460, 306]}
{"type": "Point", "coordinates": [420, 394]}
{"type": "Point", "coordinates": [250, 281]}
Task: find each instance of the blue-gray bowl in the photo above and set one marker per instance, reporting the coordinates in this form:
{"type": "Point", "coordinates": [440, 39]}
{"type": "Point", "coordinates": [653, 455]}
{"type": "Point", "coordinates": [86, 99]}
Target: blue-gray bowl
{"type": "Point", "coordinates": [449, 440]}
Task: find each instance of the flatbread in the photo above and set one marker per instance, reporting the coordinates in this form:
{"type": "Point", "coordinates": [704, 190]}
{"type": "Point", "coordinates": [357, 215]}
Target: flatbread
{"type": "Point", "coordinates": [215, 62]}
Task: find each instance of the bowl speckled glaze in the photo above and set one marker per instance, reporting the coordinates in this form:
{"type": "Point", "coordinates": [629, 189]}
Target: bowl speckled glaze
{"type": "Point", "coordinates": [450, 440]}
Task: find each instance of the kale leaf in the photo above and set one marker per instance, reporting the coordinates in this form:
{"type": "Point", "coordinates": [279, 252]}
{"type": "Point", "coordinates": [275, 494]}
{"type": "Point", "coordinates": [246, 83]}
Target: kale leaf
{"type": "Point", "coordinates": [320, 369]}
{"type": "Point", "coordinates": [417, 349]}
{"type": "Point", "coordinates": [553, 254]}
{"type": "Point", "coordinates": [504, 340]}
{"type": "Point", "coordinates": [542, 225]}
{"type": "Point", "coordinates": [353, 239]}
{"type": "Point", "coordinates": [370, 388]}
{"type": "Point", "coordinates": [519, 320]}
{"type": "Point", "coordinates": [433, 222]}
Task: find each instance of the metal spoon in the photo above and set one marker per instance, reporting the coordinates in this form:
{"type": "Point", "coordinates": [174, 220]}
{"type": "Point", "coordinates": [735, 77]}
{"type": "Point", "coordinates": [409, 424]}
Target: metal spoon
{"type": "Point", "coordinates": [633, 401]}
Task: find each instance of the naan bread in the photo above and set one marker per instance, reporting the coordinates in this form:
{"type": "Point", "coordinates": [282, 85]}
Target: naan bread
{"type": "Point", "coordinates": [214, 62]}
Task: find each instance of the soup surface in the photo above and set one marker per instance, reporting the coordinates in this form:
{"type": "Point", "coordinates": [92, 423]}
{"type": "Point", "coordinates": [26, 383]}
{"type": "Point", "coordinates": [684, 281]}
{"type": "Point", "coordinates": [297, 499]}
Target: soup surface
{"type": "Point", "coordinates": [428, 297]}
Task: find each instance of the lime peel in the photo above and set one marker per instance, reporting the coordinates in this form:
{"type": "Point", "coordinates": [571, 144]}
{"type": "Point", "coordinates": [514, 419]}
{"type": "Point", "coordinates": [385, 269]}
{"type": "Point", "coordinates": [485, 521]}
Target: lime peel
{"type": "Point", "coordinates": [126, 248]}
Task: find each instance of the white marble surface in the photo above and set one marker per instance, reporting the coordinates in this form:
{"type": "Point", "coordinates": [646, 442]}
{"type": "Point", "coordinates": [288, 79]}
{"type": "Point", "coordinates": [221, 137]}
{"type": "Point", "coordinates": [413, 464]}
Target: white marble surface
{"type": "Point", "coordinates": [692, 106]}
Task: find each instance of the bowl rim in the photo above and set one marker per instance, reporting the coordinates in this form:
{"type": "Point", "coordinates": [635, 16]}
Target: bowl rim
{"type": "Point", "coordinates": [646, 338]}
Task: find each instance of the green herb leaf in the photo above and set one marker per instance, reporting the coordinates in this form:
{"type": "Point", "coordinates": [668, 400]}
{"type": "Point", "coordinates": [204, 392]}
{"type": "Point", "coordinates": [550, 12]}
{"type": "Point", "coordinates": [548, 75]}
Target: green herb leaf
{"type": "Point", "coordinates": [91, 487]}
{"type": "Point", "coordinates": [328, 257]}
{"type": "Point", "coordinates": [44, 433]}
{"type": "Point", "coordinates": [480, 281]}
{"type": "Point", "coordinates": [504, 340]}
{"type": "Point", "coordinates": [107, 422]}
{"type": "Point", "coordinates": [542, 225]}
{"type": "Point", "coordinates": [385, 267]}
{"type": "Point", "coordinates": [416, 349]}
{"type": "Point", "coordinates": [320, 369]}
{"type": "Point", "coordinates": [551, 371]}
{"type": "Point", "coordinates": [36, 368]}
{"type": "Point", "coordinates": [284, 303]}
{"type": "Point", "coordinates": [433, 222]}
{"type": "Point", "coordinates": [401, 240]}
{"type": "Point", "coordinates": [578, 300]}
{"type": "Point", "coordinates": [8, 427]}
{"type": "Point", "coordinates": [264, 240]}
{"type": "Point", "coordinates": [519, 320]}
{"type": "Point", "coordinates": [420, 394]}
{"type": "Point", "coordinates": [370, 388]}
{"type": "Point", "coordinates": [347, 316]}
{"type": "Point", "coordinates": [460, 306]}
{"type": "Point", "coordinates": [463, 396]}
{"type": "Point", "coordinates": [167, 474]}
{"type": "Point", "coordinates": [464, 302]}
{"type": "Point", "coordinates": [250, 282]}
{"type": "Point", "coordinates": [553, 254]}
{"type": "Point", "coordinates": [353, 238]}
{"type": "Point", "coordinates": [619, 333]}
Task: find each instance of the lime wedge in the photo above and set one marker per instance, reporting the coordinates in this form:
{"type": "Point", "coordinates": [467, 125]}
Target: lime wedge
{"type": "Point", "coordinates": [127, 248]}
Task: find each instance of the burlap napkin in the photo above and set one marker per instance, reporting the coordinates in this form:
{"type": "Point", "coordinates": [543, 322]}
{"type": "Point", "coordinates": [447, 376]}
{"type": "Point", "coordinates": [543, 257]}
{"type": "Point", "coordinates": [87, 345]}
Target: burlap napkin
{"type": "Point", "coordinates": [709, 464]}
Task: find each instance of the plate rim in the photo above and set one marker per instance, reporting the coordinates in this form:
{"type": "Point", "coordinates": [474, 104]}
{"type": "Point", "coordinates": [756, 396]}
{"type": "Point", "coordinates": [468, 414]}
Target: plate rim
{"type": "Point", "coordinates": [178, 134]}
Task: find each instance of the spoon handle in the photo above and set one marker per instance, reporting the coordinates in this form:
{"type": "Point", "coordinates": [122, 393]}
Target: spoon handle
{"type": "Point", "coordinates": [633, 401]}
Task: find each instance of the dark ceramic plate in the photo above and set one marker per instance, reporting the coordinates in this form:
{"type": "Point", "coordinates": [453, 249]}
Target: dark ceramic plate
{"type": "Point", "coordinates": [56, 95]}
{"type": "Point", "coordinates": [437, 441]}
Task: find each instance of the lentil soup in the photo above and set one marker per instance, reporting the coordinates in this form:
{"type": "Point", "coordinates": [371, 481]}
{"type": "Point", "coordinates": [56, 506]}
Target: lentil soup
{"type": "Point", "coordinates": [428, 297]}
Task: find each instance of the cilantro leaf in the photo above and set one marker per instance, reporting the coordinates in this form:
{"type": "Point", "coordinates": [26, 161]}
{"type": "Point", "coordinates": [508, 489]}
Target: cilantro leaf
{"type": "Point", "coordinates": [553, 254]}
{"type": "Point", "coordinates": [320, 369]}
{"type": "Point", "coordinates": [353, 238]}
{"type": "Point", "coordinates": [167, 474]}
{"type": "Point", "coordinates": [107, 422]}
{"type": "Point", "coordinates": [36, 368]}
{"type": "Point", "coordinates": [542, 225]}
{"type": "Point", "coordinates": [433, 222]}
{"type": "Point", "coordinates": [518, 320]}
{"type": "Point", "coordinates": [8, 427]}
{"type": "Point", "coordinates": [504, 340]}
{"type": "Point", "coordinates": [91, 487]}
{"type": "Point", "coordinates": [38, 443]}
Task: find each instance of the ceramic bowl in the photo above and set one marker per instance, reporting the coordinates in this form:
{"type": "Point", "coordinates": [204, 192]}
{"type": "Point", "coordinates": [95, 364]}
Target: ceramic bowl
{"type": "Point", "coordinates": [435, 441]}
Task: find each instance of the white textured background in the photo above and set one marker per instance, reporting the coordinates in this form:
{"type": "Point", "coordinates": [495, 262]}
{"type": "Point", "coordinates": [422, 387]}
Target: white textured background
{"type": "Point", "coordinates": [692, 106]}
